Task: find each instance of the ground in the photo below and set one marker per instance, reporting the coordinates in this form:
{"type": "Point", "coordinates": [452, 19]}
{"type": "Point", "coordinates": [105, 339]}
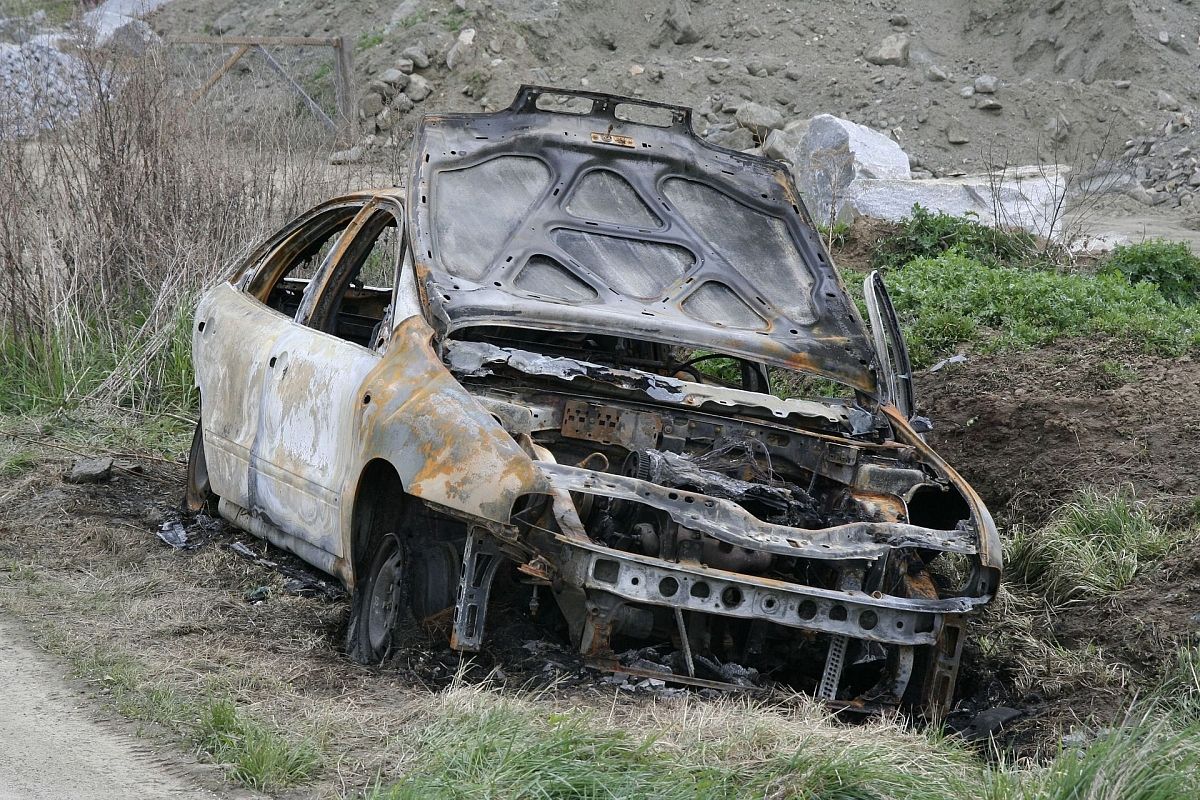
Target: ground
{"type": "Point", "coordinates": [84, 570]}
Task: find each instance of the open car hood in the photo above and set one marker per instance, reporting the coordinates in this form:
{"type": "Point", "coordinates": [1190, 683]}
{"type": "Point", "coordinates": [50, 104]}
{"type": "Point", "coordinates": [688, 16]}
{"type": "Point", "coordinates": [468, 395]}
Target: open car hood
{"type": "Point", "coordinates": [591, 222]}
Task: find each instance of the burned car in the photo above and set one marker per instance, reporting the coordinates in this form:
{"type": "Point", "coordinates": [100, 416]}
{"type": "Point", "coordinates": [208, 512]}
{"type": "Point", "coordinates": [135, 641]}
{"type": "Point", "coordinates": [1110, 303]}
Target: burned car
{"type": "Point", "coordinates": [552, 356]}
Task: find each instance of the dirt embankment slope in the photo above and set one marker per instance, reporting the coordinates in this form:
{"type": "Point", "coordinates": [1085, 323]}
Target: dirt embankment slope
{"type": "Point", "coordinates": [1070, 74]}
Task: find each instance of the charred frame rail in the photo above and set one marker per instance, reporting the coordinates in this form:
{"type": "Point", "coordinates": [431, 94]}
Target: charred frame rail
{"type": "Point", "coordinates": [343, 68]}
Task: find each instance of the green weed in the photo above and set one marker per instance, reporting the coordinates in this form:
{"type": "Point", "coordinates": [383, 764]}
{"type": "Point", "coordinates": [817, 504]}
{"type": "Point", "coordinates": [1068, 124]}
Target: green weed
{"type": "Point", "coordinates": [1171, 266]}
{"type": "Point", "coordinates": [1092, 547]}
{"type": "Point", "coordinates": [952, 300]}
{"type": "Point", "coordinates": [926, 234]}
{"type": "Point", "coordinates": [368, 40]}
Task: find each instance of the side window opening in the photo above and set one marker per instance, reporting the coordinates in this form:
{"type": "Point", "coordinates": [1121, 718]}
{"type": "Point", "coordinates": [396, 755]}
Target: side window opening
{"type": "Point", "coordinates": [357, 298]}
{"type": "Point", "coordinates": [280, 280]}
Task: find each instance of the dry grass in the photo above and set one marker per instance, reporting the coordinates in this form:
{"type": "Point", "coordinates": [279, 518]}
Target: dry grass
{"type": "Point", "coordinates": [112, 224]}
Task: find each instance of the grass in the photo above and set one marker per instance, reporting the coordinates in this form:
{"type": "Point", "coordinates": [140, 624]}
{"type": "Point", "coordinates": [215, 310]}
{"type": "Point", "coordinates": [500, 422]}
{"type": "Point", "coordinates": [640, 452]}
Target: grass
{"type": "Point", "coordinates": [368, 40]}
{"type": "Point", "coordinates": [57, 11]}
{"type": "Point", "coordinates": [255, 754]}
{"type": "Point", "coordinates": [18, 464]}
{"type": "Point", "coordinates": [1094, 546]}
{"type": "Point", "coordinates": [952, 300]}
{"type": "Point", "coordinates": [258, 756]}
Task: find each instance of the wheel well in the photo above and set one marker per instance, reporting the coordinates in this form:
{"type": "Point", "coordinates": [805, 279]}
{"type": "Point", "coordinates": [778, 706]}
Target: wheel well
{"type": "Point", "coordinates": [378, 506]}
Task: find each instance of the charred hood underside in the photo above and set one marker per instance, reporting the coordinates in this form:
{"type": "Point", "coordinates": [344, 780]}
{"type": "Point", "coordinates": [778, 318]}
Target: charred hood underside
{"type": "Point", "coordinates": [585, 220]}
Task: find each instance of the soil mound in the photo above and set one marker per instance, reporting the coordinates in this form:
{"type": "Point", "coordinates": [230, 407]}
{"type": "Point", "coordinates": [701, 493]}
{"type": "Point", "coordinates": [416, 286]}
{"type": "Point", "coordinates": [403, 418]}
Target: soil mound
{"type": "Point", "coordinates": [1029, 429]}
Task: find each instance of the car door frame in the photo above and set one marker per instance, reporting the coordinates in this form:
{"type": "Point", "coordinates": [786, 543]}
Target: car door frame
{"type": "Point", "coordinates": [309, 401]}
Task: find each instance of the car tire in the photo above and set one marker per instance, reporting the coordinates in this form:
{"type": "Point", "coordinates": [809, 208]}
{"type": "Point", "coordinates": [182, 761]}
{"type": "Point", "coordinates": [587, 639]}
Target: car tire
{"type": "Point", "coordinates": [198, 496]}
{"type": "Point", "coordinates": [380, 601]}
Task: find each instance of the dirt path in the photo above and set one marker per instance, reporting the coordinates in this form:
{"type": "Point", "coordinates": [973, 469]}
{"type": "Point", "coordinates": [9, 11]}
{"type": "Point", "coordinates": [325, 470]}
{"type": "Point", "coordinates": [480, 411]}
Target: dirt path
{"type": "Point", "coordinates": [51, 748]}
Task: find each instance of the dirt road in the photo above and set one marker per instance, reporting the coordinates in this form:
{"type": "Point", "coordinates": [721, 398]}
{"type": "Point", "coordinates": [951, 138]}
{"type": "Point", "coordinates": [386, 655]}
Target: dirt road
{"type": "Point", "coordinates": [51, 748]}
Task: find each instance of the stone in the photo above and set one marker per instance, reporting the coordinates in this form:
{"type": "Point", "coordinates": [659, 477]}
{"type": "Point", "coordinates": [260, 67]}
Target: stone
{"type": "Point", "coordinates": [1164, 38]}
{"type": "Point", "coordinates": [90, 470]}
{"type": "Point", "coordinates": [462, 51]}
{"type": "Point", "coordinates": [349, 156]}
{"type": "Point", "coordinates": [418, 88]}
{"type": "Point", "coordinates": [1027, 197]}
{"type": "Point", "coordinates": [1057, 128]}
{"type": "Point", "coordinates": [892, 51]}
{"type": "Point", "coordinates": [227, 22]}
{"type": "Point", "coordinates": [417, 55]}
{"type": "Point", "coordinates": [371, 104]}
{"type": "Point", "coordinates": [899, 20]}
{"type": "Point", "coordinates": [986, 102]}
{"type": "Point", "coordinates": [784, 145]}
{"type": "Point", "coordinates": [935, 74]}
{"type": "Point", "coordinates": [384, 120]}
{"type": "Point", "coordinates": [758, 119]}
{"type": "Point", "coordinates": [957, 134]}
{"type": "Point", "coordinates": [1166, 101]}
{"type": "Point", "coordinates": [736, 139]}
{"type": "Point", "coordinates": [1122, 85]}
{"type": "Point", "coordinates": [394, 77]}
{"type": "Point", "coordinates": [405, 65]}
{"type": "Point", "coordinates": [966, 91]}
{"type": "Point", "coordinates": [402, 104]}
{"type": "Point", "coordinates": [987, 84]}
{"type": "Point", "coordinates": [678, 26]}
{"type": "Point", "coordinates": [133, 38]}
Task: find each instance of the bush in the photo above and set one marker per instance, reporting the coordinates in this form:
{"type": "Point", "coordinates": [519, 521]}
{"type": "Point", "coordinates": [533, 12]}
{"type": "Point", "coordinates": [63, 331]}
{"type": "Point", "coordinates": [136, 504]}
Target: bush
{"type": "Point", "coordinates": [1092, 547]}
{"type": "Point", "coordinates": [926, 235]}
{"type": "Point", "coordinates": [952, 300]}
{"type": "Point", "coordinates": [1171, 266]}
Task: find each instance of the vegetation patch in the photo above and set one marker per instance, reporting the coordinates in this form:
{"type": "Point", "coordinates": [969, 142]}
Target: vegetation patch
{"type": "Point", "coordinates": [953, 300]}
{"type": "Point", "coordinates": [927, 234]}
{"type": "Point", "coordinates": [1170, 266]}
{"type": "Point", "coordinates": [1092, 547]}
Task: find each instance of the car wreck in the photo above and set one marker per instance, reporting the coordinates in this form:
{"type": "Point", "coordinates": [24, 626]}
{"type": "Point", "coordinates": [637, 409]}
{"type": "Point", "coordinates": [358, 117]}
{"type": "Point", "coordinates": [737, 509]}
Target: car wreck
{"type": "Point", "coordinates": [553, 354]}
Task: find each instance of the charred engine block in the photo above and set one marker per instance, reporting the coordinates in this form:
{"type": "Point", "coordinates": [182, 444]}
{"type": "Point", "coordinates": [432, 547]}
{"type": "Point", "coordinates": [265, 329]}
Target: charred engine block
{"type": "Point", "coordinates": [731, 473]}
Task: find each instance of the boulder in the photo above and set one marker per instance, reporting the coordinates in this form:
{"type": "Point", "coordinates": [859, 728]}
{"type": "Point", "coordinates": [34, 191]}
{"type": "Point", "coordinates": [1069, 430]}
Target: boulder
{"type": "Point", "coordinates": [417, 55]}
{"type": "Point", "coordinates": [133, 38]}
{"type": "Point", "coordinates": [987, 84]}
{"type": "Point", "coordinates": [784, 145]}
{"type": "Point", "coordinates": [462, 52]}
{"type": "Point", "coordinates": [371, 104]}
{"type": "Point", "coordinates": [836, 152]}
{"type": "Point", "coordinates": [678, 26]}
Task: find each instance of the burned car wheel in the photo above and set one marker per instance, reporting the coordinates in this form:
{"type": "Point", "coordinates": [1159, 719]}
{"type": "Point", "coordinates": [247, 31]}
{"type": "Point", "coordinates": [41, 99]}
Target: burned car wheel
{"type": "Point", "coordinates": [378, 602]}
{"type": "Point", "coordinates": [198, 495]}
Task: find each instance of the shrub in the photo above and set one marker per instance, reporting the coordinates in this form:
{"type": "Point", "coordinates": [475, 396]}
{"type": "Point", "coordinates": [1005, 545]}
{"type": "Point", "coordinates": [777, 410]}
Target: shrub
{"type": "Point", "coordinates": [1092, 547]}
{"type": "Point", "coordinates": [1171, 266]}
{"type": "Point", "coordinates": [952, 299]}
{"type": "Point", "coordinates": [927, 234]}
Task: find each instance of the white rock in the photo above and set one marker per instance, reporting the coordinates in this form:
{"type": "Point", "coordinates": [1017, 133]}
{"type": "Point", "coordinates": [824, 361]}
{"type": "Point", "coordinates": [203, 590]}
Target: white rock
{"type": "Point", "coordinates": [463, 50]}
{"type": "Point", "coordinates": [987, 84]}
{"type": "Point", "coordinates": [836, 152]}
{"type": "Point", "coordinates": [1026, 197]}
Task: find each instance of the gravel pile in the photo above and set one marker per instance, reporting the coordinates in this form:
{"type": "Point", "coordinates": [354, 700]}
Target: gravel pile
{"type": "Point", "coordinates": [40, 86]}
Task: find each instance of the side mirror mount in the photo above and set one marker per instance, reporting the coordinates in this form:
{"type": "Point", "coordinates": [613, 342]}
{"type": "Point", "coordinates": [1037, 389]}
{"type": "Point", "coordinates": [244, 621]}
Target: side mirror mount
{"type": "Point", "coordinates": [894, 364]}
